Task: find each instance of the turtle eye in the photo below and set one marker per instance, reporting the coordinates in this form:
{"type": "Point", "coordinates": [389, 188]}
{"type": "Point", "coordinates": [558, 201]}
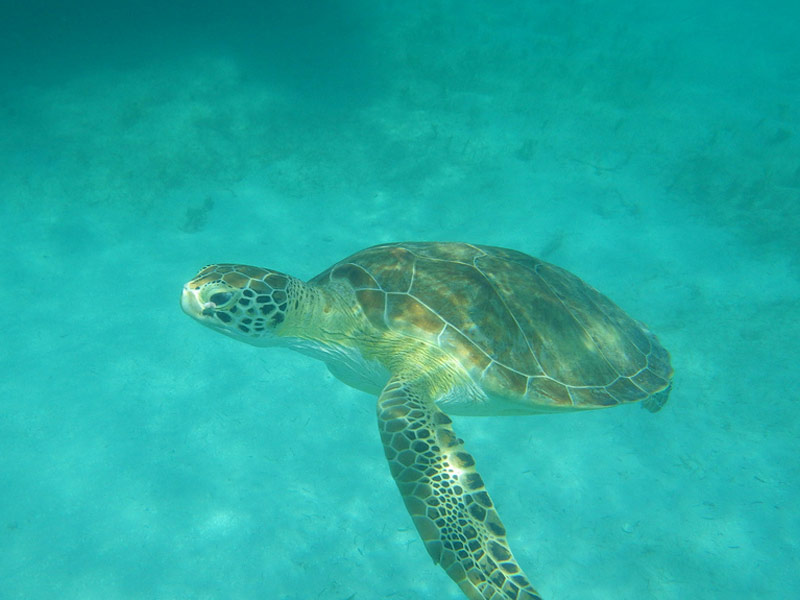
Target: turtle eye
{"type": "Point", "coordinates": [221, 298]}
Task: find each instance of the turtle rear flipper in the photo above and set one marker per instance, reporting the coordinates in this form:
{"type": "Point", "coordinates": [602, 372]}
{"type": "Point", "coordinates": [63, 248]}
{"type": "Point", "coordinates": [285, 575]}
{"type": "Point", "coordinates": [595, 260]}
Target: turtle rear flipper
{"type": "Point", "coordinates": [446, 497]}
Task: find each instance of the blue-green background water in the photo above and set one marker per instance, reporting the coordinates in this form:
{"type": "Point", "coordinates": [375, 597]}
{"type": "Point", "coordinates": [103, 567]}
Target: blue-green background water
{"type": "Point", "coordinates": [651, 148]}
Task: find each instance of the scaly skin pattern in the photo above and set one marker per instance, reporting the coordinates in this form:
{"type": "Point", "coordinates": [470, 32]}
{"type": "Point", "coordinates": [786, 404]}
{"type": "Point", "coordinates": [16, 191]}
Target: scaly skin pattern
{"type": "Point", "coordinates": [434, 327]}
{"type": "Point", "coordinates": [446, 497]}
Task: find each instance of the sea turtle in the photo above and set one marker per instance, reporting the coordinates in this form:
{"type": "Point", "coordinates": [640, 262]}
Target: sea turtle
{"type": "Point", "coordinates": [433, 328]}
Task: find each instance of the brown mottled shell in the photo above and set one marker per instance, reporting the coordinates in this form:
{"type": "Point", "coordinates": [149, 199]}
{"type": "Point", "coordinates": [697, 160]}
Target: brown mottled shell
{"type": "Point", "coordinates": [524, 330]}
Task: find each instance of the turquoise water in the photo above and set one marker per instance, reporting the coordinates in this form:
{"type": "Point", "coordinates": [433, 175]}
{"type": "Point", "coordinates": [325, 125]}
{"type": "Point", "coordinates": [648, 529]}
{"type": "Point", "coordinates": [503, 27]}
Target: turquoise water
{"type": "Point", "coordinates": [653, 150]}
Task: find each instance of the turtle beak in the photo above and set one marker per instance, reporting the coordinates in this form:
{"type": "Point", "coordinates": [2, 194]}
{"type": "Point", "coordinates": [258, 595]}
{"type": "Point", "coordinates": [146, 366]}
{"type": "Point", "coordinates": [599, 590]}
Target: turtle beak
{"type": "Point", "coordinates": [191, 304]}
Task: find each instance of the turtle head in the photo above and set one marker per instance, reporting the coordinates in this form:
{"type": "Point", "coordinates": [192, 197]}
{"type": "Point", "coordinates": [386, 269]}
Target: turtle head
{"type": "Point", "coordinates": [246, 303]}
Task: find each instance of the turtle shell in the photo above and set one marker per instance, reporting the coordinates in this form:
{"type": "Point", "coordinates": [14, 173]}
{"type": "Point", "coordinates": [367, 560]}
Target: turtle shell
{"type": "Point", "coordinates": [526, 331]}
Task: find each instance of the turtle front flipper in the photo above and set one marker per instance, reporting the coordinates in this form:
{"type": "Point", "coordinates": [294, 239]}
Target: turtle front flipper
{"type": "Point", "coordinates": [446, 497]}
